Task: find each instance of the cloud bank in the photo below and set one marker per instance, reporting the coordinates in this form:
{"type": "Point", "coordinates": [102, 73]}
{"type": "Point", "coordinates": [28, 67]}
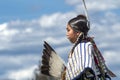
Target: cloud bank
{"type": "Point", "coordinates": [27, 36]}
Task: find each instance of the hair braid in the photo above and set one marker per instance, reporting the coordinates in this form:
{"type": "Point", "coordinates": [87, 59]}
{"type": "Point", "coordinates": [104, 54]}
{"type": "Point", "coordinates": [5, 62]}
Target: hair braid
{"type": "Point", "coordinates": [79, 39]}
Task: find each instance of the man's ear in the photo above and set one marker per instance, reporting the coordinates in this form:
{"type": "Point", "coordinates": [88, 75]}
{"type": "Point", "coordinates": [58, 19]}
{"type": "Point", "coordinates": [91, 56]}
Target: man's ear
{"type": "Point", "coordinates": [78, 33]}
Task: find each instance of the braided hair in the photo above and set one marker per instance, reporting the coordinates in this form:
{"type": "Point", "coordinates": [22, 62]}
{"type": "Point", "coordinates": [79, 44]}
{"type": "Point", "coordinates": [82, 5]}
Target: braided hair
{"type": "Point", "coordinates": [79, 24]}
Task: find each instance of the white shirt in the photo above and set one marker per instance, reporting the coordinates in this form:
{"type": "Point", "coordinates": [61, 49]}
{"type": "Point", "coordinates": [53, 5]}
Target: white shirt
{"type": "Point", "coordinates": [81, 58]}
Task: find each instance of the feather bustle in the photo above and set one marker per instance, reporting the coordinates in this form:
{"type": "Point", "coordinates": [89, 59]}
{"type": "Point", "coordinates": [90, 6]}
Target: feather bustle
{"type": "Point", "coordinates": [52, 64]}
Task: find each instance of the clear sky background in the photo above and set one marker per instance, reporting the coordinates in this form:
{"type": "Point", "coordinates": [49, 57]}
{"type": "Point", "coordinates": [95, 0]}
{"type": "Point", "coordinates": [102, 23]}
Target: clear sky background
{"type": "Point", "coordinates": [25, 24]}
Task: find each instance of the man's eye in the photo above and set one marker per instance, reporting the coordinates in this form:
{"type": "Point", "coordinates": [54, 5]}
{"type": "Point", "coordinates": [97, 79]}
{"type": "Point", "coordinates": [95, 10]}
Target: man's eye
{"type": "Point", "coordinates": [68, 30]}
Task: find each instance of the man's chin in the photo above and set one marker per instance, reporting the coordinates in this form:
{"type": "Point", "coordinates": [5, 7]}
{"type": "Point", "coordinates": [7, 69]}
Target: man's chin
{"type": "Point", "coordinates": [71, 41]}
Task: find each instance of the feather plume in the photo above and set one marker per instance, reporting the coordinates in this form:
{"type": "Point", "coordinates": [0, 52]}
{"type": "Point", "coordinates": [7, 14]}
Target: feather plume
{"type": "Point", "coordinates": [52, 64]}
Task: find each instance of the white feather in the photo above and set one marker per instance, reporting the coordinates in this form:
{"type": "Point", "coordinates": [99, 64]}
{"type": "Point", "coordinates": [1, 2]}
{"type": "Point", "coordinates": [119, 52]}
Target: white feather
{"type": "Point", "coordinates": [52, 64]}
{"type": "Point", "coordinates": [56, 65]}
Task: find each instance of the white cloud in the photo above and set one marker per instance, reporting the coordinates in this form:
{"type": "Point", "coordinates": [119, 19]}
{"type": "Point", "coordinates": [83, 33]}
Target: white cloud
{"type": "Point", "coordinates": [19, 67]}
{"type": "Point", "coordinates": [3, 26]}
{"type": "Point", "coordinates": [54, 20]}
{"type": "Point", "coordinates": [112, 61]}
{"type": "Point", "coordinates": [18, 34]}
{"type": "Point", "coordinates": [4, 32]}
{"type": "Point", "coordinates": [22, 74]}
{"type": "Point", "coordinates": [6, 35]}
{"type": "Point", "coordinates": [48, 21]}
{"type": "Point", "coordinates": [19, 60]}
{"type": "Point", "coordinates": [57, 41]}
{"type": "Point", "coordinates": [110, 55]}
{"type": "Point", "coordinates": [95, 5]}
{"type": "Point", "coordinates": [33, 32]}
{"type": "Point", "coordinates": [28, 30]}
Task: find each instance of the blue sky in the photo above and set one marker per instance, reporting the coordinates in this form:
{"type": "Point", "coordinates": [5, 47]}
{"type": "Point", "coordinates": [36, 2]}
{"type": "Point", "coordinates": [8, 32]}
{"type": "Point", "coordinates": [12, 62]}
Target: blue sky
{"type": "Point", "coordinates": [25, 24]}
{"type": "Point", "coordinates": [20, 9]}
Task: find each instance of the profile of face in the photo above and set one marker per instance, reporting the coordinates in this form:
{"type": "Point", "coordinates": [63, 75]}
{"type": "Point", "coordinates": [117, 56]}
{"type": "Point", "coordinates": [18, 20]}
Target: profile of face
{"type": "Point", "coordinates": [71, 34]}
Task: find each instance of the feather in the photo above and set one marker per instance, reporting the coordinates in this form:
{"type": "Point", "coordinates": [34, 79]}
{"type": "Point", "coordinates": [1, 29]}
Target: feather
{"type": "Point", "coordinates": [111, 73]}
{"type": "Point", "coordinates": [52, 64]}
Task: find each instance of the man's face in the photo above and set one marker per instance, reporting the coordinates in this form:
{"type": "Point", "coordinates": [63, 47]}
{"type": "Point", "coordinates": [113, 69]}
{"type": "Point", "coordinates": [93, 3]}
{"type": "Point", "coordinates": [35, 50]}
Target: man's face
{"type": "Point", "coordinates": [71, 34]}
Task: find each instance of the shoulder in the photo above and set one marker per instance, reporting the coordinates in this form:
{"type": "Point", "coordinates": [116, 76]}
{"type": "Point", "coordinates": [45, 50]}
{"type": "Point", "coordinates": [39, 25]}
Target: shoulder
{"type": "Point", "coordinates": [84, 44]}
